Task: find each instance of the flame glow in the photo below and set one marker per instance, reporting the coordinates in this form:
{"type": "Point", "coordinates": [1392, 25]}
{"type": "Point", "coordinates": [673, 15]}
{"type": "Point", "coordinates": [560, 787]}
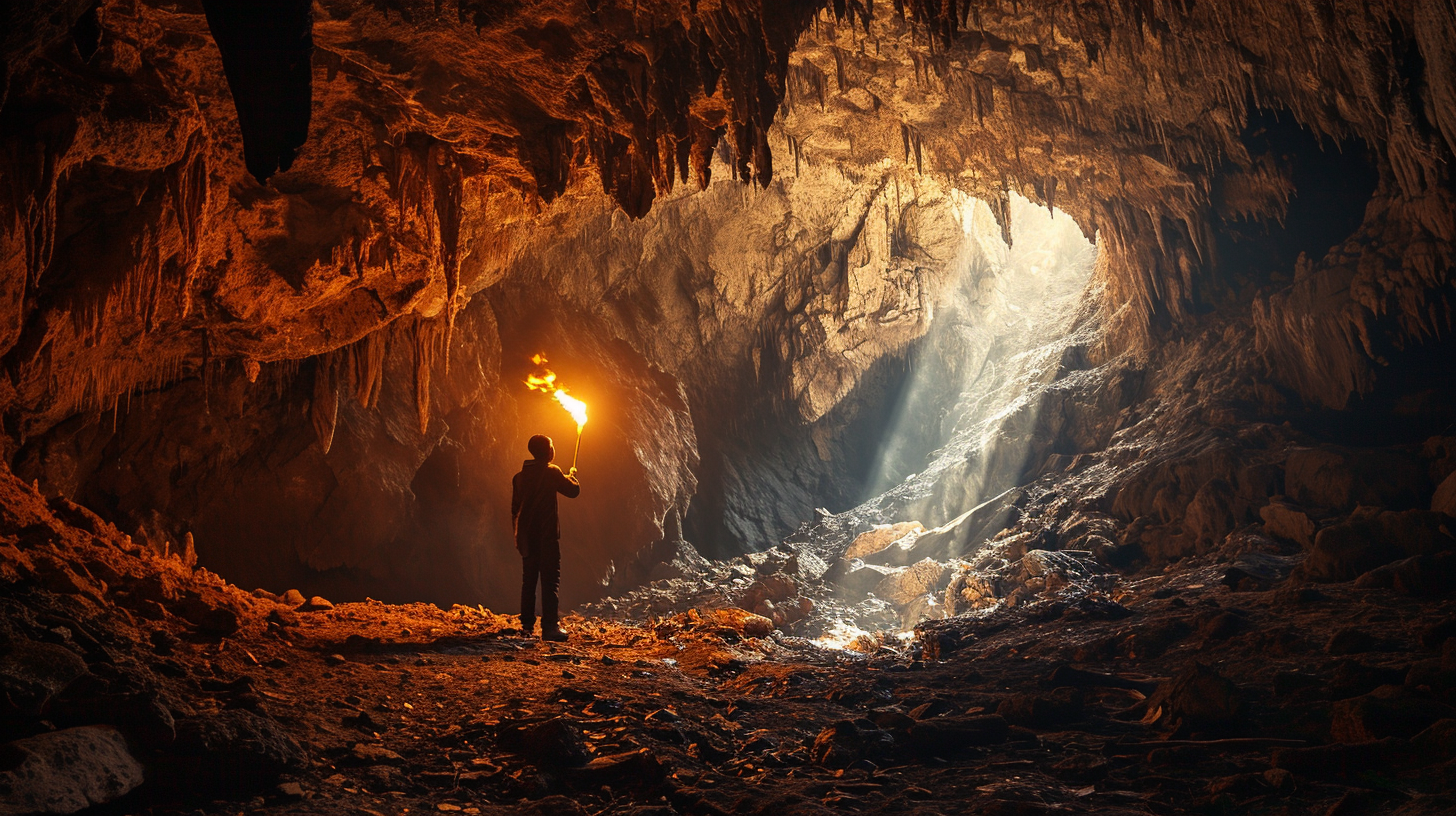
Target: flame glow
{"type": "Point", "coordinates": [545, 382]}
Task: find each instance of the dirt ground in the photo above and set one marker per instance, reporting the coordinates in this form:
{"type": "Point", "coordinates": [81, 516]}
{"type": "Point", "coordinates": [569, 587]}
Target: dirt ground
{"type": "Point", "coordinates": [406, 709]}
{"type": "Point", "coordinates": [1187, 691]}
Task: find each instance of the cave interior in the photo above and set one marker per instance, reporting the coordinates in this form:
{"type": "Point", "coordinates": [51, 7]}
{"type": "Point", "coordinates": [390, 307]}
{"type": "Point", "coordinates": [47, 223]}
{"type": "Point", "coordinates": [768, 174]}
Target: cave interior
{"type": "Point", "coordinates": [1008, 407]}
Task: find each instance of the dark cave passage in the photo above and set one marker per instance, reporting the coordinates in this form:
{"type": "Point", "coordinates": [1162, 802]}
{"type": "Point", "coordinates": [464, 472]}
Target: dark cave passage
{"type": "Point", "coordinates": [1001, 408]}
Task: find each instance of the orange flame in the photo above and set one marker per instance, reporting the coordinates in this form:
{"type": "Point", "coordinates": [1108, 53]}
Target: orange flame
{"type": "Point", "coordinates": [545, 382]}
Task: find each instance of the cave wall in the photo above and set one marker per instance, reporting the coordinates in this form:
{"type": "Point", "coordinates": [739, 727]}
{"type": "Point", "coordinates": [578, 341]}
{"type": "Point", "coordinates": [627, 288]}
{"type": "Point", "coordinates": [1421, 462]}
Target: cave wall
{"type": "Point", "coordinates": [466, 165]}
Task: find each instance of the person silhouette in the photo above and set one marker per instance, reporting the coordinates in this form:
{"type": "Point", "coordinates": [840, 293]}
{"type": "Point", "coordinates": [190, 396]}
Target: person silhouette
{"type": "Point", "coordinates": [538, 533]}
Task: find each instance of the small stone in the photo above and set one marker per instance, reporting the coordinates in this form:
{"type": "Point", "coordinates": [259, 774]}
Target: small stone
{"type": "Point", "coordinates": [291, 598]}
{"type": "Point", "coordinates": [336, 660]}
{"type": "Point", "coordinates": [317, 603]}
{"type": "Point", "coordinates": [368, 754]}
{"type": "Point", "coordinates": [290, 790]}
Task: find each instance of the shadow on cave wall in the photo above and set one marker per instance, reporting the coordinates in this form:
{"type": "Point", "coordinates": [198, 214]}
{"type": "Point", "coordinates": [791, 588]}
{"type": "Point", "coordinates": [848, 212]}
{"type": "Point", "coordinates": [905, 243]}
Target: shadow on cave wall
{"type": "Point", "coordinates": [765, 471]}
{"type": "Point", "coordinates": [1331, 184]}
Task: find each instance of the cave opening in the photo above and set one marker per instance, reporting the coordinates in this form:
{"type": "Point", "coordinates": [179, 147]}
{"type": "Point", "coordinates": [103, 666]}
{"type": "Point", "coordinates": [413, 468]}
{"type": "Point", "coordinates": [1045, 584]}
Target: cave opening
{"type": "Point", "coordinates": [993, 407]}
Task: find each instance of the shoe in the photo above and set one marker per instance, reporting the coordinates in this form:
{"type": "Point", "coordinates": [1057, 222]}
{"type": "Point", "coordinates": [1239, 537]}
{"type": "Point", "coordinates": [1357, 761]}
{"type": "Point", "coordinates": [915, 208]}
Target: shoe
{"type": "Point", "coordinates": [554, 634]}
{"type": "Point", "coordinates": [528, 626]}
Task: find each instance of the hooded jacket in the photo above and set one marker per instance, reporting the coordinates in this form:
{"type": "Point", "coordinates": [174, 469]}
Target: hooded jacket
{"type": "Point", "coordinates": [533, 502]}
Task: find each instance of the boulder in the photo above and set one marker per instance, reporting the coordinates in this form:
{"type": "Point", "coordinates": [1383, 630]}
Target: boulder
{"type": "Point", "coordinates": [1389, 711]}
{"type": "Point", "coordinates": [882, 536]}
{"type": "Point", "coordinates": [1419, 575]}
{"type": "Point", "coordinates": [744, 622]}
{"type": "Point", "coordinates": [555, 743]}
{"type": "Point", "coordinates": [317, 603]}
{"type": "Point", "coordinates": [1437, 743]}
{"type": "Point", "coordinates": [1351, 641]}
{"type": "Point", "coordinates": [233, 750]}
{"type": "Point", "coordinates": [292, 597]}
{"type": "Point", "coordinates": [1341, 478]}
{"type": "Point", "coordinates": [66, 771]}
{"type": "Point", "coordinates": [858, 578]}
{"type": "Point", "coordinates": [1289, 522]}
{"type": "Point", "coordinates": [368, 754]}
{"type": "Point", "coordinates": [906, 585]}
{"type": "Point", "coordinates": [32, 672]}
{"type": "Point", "coordinates": [1369, 539]}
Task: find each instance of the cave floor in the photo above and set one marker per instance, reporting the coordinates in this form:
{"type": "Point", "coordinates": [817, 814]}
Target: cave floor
{"type": "Point", "coordinates": [411, 708]}
{"type": "Point", "coordinates": [1176, 693]}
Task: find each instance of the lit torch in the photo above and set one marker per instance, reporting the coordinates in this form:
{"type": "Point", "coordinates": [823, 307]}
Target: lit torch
{"type": "Point", "coordinates": [545, 382]}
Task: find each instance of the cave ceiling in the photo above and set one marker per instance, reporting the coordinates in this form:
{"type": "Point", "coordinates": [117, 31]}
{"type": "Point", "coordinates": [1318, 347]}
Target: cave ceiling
{"type": "Point", "coordinates": [191, 184]}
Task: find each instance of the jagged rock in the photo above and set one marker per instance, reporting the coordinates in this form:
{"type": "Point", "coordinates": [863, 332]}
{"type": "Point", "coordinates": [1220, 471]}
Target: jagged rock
{"type": "Point", "coordinates": [1437, 743]}
{"type": "Point", "coordinates": [969, 590]}
{"type": "Point", "coordinates": [846, 743]}
{"type": "Point", "coordinates": [881, 537]}
{"type": "Point", "coordinates": [232, 750]}
{"type": "Point", "coordinates": [904, 586]}
{"type": "Point", "coordinates": [1198, 699]}
{"type": "Point", "coordinates": [1289, 522]}
{"type": "Point", "coordinates": [1350, 641]}
{"type": "Point", "coordinates": [858, 578]}
{"type": "Point", "coordinates": [32, 672]}
{"type": "Point", "coordinates": [367, 753]}
{"type": "Point", "coordinates": [1444, 500]}
{"type": "Point", "coordinates": [1389, 711]}
{"type": "Point", "coordinates": [555, 743]}
{"type": "Point", "coordinates": [1042, 711]}
{"type": "Point", "coordinates": [1341, 478]}
{"type": "Point", "coordinates": [1369, 539]}
{"type": "Point", "coordinates": [745, 623]}
{"type": "Point", "coordinates": [1419, 575]}
{"type": "Point", "coordinates": [66, 771]}
{"type": "Point", "coordinates": [940, 736]}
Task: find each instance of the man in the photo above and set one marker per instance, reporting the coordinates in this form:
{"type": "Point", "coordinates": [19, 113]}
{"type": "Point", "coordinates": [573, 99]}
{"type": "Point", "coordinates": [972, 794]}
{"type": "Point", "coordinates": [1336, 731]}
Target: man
{"type": "Point", "coordinates": [538, 533]}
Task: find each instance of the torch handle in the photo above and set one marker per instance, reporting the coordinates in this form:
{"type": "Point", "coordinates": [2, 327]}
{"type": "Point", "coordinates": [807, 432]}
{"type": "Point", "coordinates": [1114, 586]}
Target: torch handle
{"type": "Point", "coordinates": [578, 450]}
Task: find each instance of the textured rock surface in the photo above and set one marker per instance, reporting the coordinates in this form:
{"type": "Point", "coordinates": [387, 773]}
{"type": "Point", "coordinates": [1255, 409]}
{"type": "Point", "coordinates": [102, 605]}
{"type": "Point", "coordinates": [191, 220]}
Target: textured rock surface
{"type": "Point", "coordinates": [306, 341]}
{"type": "Point", "coordinates": [67, 771]}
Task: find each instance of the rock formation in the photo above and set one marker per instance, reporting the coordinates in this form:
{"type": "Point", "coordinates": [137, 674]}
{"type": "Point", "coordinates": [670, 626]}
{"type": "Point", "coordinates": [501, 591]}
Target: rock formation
{"type": "Point", "coordinates": [889, 463]}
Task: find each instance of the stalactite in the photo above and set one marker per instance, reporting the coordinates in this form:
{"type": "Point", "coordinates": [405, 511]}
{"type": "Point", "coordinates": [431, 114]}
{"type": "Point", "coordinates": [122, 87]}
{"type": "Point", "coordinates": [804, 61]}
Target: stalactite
{"type": "Point", "coordinates": [187, 182]}
{"type": "Point", "coordinates": [427, 340]}
{"type": "Point", "coordinates": [324, 407]}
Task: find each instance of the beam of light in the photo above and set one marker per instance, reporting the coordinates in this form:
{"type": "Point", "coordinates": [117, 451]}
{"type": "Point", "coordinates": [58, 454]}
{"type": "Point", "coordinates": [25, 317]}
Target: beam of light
{"type": "Point", "coordinates": [544, 380]}
{"type": "Point", "coordinates": [985, 363]}
{"type": "Point", "coordinates": [968, 415]}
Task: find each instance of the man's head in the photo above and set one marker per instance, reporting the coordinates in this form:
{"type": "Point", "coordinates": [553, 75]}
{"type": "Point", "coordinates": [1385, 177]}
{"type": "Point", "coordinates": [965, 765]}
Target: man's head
{"type": "Point", "coordinates": [540, 447]}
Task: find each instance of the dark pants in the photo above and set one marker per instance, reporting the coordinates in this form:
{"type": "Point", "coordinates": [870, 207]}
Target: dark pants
{"type": "Point", "coordinates": [543, 564]}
